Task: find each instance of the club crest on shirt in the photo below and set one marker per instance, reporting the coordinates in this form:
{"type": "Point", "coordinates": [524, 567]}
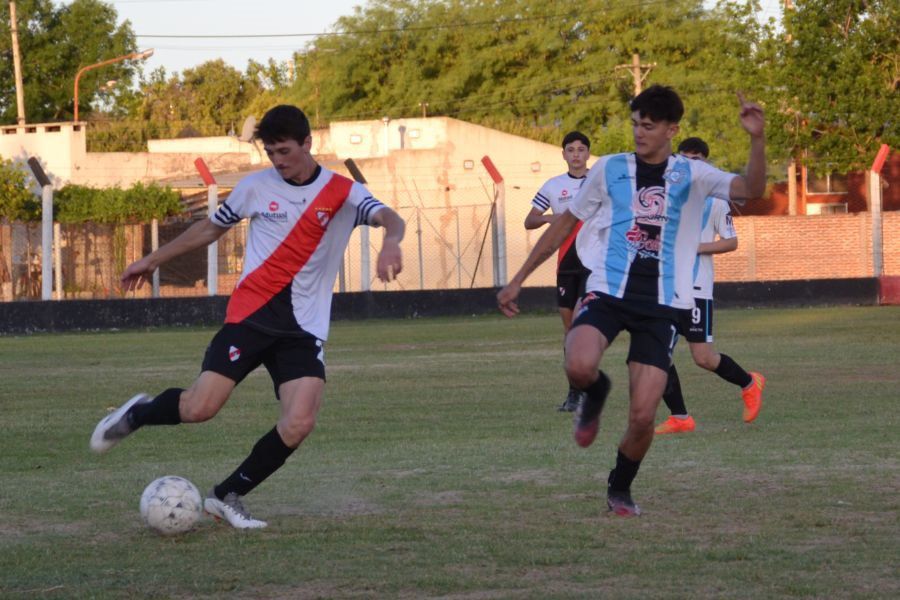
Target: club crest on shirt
{"type": "Point", "coordinates": [649, 205]}
{"type": "Point", "coordinates": [324, 217]}
{"type": "Point", "coordinates": [234, 353]}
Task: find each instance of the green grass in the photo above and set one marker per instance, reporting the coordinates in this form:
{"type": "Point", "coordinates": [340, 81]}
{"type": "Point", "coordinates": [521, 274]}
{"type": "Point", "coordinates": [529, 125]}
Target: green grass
{"type": "Point", "coordinates": [440, 468]}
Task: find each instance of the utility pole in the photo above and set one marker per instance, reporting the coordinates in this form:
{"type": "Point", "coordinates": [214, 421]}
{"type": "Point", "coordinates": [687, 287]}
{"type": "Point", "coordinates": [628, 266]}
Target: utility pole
{"type": "Point", "coordinates": [17, 65]}
{"type": "Point", "coordinates": [638, 71]}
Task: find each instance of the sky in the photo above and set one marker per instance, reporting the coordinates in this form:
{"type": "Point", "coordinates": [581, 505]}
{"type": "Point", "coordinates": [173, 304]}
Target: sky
{"type": "Point", "coordinates": [226, 17]}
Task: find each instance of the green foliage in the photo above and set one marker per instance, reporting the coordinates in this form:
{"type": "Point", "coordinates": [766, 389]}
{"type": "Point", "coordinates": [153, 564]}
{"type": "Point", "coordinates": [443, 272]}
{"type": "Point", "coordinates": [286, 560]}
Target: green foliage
{"type": "Point", "coordinates": [209, 99]}
{"type": "Point", "coordinates": [839, 81]}
{"type": "Point", "coordinates": [538, 69]}
{"type": "Point", "coordinates": [212, 99]}
{"type": "Point", "coordinates": [140, 203]}
{"type": "Point", "coordinates": [55, 42]}
{"type": "Point", "coordinates": [17, 202]}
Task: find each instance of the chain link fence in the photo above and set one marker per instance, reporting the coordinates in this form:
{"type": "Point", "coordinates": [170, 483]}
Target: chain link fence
{"type": "Point", "coordinates": [448, 245]}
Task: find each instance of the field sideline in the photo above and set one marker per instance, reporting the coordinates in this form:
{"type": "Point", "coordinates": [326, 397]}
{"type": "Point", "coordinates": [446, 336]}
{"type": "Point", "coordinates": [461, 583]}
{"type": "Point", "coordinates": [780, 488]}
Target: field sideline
{"type": "Point", "coordinates": [441, 469]}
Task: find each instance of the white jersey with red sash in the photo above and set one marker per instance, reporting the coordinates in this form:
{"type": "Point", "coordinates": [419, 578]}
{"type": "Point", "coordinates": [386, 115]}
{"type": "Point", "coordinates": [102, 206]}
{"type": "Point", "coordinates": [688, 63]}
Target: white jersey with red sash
{"type": "Point", "coordinates": [555, 194]}
{"type": "Point", "coordinates": [295, 243]}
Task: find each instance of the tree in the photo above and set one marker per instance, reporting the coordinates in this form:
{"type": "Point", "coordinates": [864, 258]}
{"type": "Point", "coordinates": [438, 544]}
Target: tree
{"type": "Point", "coordinates": [55, 42]}
{"type": "Point", "coordinates": [536, 68]}
{"type": "Point", "coordinates": [839, 80]}
{"type": "Point", "coordinates": [17, 201]}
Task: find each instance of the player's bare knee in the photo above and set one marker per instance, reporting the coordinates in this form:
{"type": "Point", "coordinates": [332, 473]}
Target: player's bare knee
{"type": "Point", "coordinates": [580, 374]}
{"type": "Point", "coordinates": [641, 419]}
{"type": "Point", "coordinates": [706, 361]}
{"type": "Point", "coordinates": [293, 431]}
{"type": "Point", "coordinates": [195, 407]}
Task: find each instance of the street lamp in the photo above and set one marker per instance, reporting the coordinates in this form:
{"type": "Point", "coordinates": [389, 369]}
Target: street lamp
{"type": "Point", "coordinates": [134, 55]}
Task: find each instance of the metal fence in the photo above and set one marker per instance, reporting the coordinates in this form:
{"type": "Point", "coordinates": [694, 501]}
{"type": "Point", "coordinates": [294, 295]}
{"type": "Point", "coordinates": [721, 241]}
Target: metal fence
{"type": "Point", "coordinates": [448, 245]}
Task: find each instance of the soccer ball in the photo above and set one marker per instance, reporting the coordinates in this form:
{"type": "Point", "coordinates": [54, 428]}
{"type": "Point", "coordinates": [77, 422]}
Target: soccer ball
{"type": "Point", "coordinates": [171, 505]}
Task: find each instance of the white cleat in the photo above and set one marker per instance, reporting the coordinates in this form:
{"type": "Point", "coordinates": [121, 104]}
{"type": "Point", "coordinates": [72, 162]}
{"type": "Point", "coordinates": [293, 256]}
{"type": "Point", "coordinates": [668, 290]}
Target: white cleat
{"type": "Point", "coordinates": [113, 428]}
{"type": "Point", "coordinates": [231, 509]}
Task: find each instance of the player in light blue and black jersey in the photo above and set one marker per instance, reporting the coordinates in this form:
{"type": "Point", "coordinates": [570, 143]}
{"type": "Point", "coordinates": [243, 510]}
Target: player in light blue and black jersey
{"type": "Point", "coordinates": [642, 213]}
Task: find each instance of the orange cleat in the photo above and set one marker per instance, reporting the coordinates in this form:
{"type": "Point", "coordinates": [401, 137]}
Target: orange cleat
{"type": "Point", "coordinates": [675, 425]}
{"type": "Point", "coordinates": [752, 395]}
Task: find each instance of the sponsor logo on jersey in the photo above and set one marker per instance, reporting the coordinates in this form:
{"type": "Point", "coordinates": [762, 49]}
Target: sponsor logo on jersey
{"type": "Point", "coordinates": [273, 214]}
{"type": "Point", "coordinates": [234, 353]}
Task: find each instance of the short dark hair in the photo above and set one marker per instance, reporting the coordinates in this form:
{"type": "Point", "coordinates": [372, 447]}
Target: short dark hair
{"type": "Point", "coordinates": [282, 123]}
{"type": "Point", "coordinates": [694, 145]}
{"type": "Point", "coordinates": [576, 136]}
{"type": "Point", "coordinates": [659, 103]}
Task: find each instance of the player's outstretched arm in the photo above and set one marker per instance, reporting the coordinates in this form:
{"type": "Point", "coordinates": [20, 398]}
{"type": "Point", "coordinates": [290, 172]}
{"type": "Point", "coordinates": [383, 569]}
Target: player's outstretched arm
{"type": "Point", "coordinates": [546, 245]}
{"type": "Point", "coordinates": [720, 246]}
{"type": "Point", "coordinates": [753, 184]}
{"type": "Point", "coordinates": [200, 234]}
{"type": "Point", "coordinates": [535, 219]}
{"type": "Point", "coordinates": [390, 259]}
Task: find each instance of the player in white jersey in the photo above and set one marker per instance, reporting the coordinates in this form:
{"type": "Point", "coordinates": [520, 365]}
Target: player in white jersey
{"type": "Point", "coordinates": [697, 323]}
{"type": "Point", "coordinates": [642, 213]}
{"type": "Point", "coordinates": [555, 195]}
{"type": "Point", "coordinates": [301, 217]}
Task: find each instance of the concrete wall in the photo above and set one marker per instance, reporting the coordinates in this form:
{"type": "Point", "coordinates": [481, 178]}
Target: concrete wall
{"type": "Point", "coordinates": [208, 146]}
{"type": "Point", "coordinates": [124, 169]}
{"type": "Point", "coordinates": [58, 146]}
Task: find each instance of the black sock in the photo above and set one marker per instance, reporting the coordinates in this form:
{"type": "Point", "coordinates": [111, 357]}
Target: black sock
{"type": "Point", "coordinates": [672, 396]}
{"type": "Point", "coordinates": [598, 390]}
{"type": "Point", "coordinates": [621, 477]}
{"type": "Point", "coordinates": [267, 456]}
{"type": "Point", "coordinates": [731, 372]}
{"type": "Point", "coordinates": [162, 410]}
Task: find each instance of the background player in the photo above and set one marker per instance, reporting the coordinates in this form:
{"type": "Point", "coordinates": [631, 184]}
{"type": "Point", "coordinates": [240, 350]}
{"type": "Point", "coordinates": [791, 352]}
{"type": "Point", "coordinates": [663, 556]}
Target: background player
{"type": "Point", "coordinates": [697, 324]}
{"type": "Point", "coordinates": [301, 217]}
{"type": "Point", "coordinates": [642, 213]}
{"type": "Point", "coordinates": [555, 195]}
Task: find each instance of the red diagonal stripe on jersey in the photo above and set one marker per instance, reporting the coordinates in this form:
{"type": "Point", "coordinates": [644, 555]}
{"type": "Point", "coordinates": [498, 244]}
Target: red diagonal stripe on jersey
{"type": "Point", "coordinates": [288, 259]}
{"type": "Point", "coordinates": [567, 243]}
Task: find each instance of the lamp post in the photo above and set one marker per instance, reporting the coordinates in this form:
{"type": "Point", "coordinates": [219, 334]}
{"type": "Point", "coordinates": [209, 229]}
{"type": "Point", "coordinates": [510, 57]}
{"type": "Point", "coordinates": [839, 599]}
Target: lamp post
{"type": "Point", "coordinates": [134, 55]}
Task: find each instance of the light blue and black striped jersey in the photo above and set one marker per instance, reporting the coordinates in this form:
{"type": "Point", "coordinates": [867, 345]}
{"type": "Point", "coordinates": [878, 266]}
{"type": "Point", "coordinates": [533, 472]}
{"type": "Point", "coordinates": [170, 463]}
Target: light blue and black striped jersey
{"type": "Point", "coordinates": [642, 225]}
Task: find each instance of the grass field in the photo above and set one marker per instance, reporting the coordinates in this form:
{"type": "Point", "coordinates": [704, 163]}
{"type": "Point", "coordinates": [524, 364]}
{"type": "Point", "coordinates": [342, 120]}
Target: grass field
{"type": "Point", "coordinates": [441, 469]}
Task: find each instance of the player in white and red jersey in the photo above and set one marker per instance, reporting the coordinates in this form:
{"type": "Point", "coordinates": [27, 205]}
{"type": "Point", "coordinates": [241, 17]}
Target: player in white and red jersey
{"type": "Point", "coordinates": [301, 217]}
{"type": "Point", "coordinates": [555, 195]}
{"type": "Point", "coordinates": [697, 324]}
{"type": "Point", "coordinates": [642, 215]}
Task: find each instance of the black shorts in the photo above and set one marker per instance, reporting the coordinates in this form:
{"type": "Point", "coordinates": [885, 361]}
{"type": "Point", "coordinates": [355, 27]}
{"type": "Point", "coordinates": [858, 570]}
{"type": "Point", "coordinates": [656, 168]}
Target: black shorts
{"type": "Point", "coordinates": [653, 328]}
{"type": "Point", "coordinates": [570, 287]}
{"type": "Point", "coordinates": [236, 350]}
{"type": "Point", "coordinates": [696, 324]}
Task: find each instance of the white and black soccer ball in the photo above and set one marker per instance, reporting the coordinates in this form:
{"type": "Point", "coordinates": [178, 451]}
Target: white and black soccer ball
{"type": "Point", "coordinates": [171, 505]}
